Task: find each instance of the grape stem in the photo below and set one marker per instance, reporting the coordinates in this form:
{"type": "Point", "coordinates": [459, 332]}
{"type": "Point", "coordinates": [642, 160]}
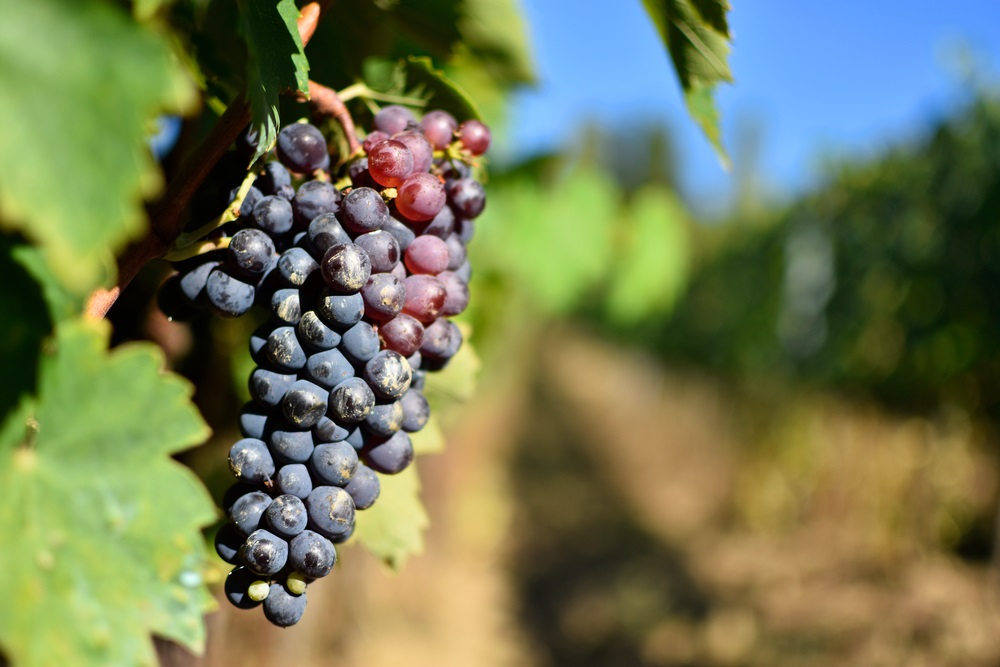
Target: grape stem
{"type": "Point", "coordinates": [165, 222]}
{"type": "Point", "coordinates": [364, 92]}
{"type": "Point", "coordinates": [327, 102]}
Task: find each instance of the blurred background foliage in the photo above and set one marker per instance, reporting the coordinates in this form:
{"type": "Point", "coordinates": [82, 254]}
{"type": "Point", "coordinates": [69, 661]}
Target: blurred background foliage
{"type": "Point", "coordinates": [767, 439]}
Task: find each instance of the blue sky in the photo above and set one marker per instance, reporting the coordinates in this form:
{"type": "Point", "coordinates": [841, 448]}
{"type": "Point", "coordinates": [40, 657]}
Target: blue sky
{"type": "Point", "coordinates": [814, 78]}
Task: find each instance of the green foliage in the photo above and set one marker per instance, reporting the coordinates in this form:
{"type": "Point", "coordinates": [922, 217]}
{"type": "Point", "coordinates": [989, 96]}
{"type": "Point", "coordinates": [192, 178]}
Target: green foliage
{"type": "Point", "coordinates": [82, 109]}
{"type": "Point", "coordinates": [108, 546]}
{"type": "Point", "coordinates": [654, 264]}
{"type": "Point", "coordinates": [882, 281]}
{"type": "Point", "coordinates": [696, 34]}
{"type": "Point", "coordinates": [393, 528]}
{"type": "Point", "coordinates": [277, 62]}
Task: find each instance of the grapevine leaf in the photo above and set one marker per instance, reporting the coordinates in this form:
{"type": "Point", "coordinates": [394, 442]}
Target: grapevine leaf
{"type": "Point", "coordinates": [494, 31]}
{"type": "Point", "coordinates": [696, 34]}
{"type": "Point", "coordinates": [277, 61]}
{"type": "Point", "coordinates": [393, 528]}
{"type": "Point", "coordinates": [86, 106]}
{"type": "Point", "coordinates": [429, 439]}
{"type": "Point", "coordinates": [108, 546]}
{"type": "Point", "coordinates": [654, 265]}
{"type": "Point", "coordinates": [442, 92]}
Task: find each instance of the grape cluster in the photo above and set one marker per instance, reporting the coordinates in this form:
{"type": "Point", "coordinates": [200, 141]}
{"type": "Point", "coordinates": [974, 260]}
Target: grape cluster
{"type": "Point", "coordinates": [360, 283]}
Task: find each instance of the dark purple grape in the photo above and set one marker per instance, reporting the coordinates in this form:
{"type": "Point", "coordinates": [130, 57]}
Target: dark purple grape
{"type": "Point", "coordinates": [467, 196]}
{"type": "Point", "coordinates": [226, 295]}
{"type": "Point", "coordinates": [282, 608]}
{"type": "Point", "coordinates": [359, 175]}
{"type": "Point", "coordinates": [285, 305]}
{"type": "Point", "coordinates": [359, 343]}
{"type": "Point", "coordinates": [253, 196]}
{"type": "Point", "coordinates": [420, 197]}
{"type": "Point", "coordinates": [267, 387]}
{"type": "Point", "coordinates": [284, 351]}
{"type": "Point", "coordinates": [384, 296]}
{"type": "Point", "coordinates": [253, 422]}
{"type": "Point", "coordinates": [456, 251]}
{"type": "Point", "coordinates": [388, 374]}
{"type": "Point", "coordinates": [294, 479]}
{"type": "Point", "coordinates": [442, 226]}
{"type": "Point", "coordinates": [399, 271]}
{"type": "Point", "coordinates": [272, 178]}
{"type": "Point", "coordinates": [264, 553]}
{"type": "Point", "coordinates": [325, 232]}
{"type": "Point", "coordinates": [441, 340]}
{"type": "Point", "coordinates": [374, 139]}
{"type": "Point", "coordinates": [246, 511]}
{"type": "Point", "coordinates": [192, 283]}
{"type": "Point", "coordinates": [290, 445]}
{"type": "Point", "coordinates": [385, 419]}
{"type": "Point", "coordinates": [382, 249]}
{"type": "Point", "coordinates": [331, 511]}
{"type": "Point", "coordinates": [273, 215]}
{"type": "Point", "coordinates": [302, 148]}
{"type": "Point", "coordinates": [313, 199]}
{"type": "Point", "coordinates": [423, 152]}
{"type": "Point", "coordinates": [334, 463]}
{"type": "Point", "coordinates": [465, 272]}
{"type": "Point", "coordinates": [311, 554]}
{"type": "Point", "coordinates": [416, 410]}
{"type": "Point", "coordinates": [351, 400]}
{"type": "Point", "coordinates": [364, 487]}
{"type": "Point", "coordinates": [389, 456]}
{"type": "Point", "coordinates": [314, 334]}
{"type": "Point", "coordinates": [340, 311]}
{"type": "Point", "coordinates": [327, 430]}
{"type": "Point", "coordinates": [286, 516]}
{"type": "Point", "coordinates": [393, 119]}
{"type": "Point", "coordinates": [404, 235]}
{"type": "Point", "coordinates": [465, 229]}
{"type": "Point", "coordinates": [250, 461]}
{"type": "Point", "coordinates": [227, 543]}
{"type": "Point", "coordinates": [425, 297]}
{"type": "Point", "coordinates": [439, 128]}
{"type": "Point", "coordinates": [363, 210]}
{"type": "Point", "coordinates": [295, 265]}
{"type": "Point", "coordinates": [389, 163]}
{"type": "Point", "coordinates": [402, 333]}
{"type": "Point", "coordinates": [457, 292]}
{"type": "Point", "coordinates": [329, 368]}
{"type": "Point", "coordinates": [286, 192]}
{"type": "Point", "coordinates": [304, 403]}
{"type": "Point", "coordinates": [475, 136]}
{"type": "Point", "coordinates": [237, 585]}
{"type": "Point", "coordinates": [427, 254]}
{"type": "Point", "coordinates": [346, 268]}
{"type": "Point", "coordinates": [452, 170]}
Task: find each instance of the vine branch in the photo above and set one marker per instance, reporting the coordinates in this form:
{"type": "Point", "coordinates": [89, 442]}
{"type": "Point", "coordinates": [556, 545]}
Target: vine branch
{"type": "Point", "coordinates": [164, 216]}
{"type": "Point", "coordinates": [327, 102]}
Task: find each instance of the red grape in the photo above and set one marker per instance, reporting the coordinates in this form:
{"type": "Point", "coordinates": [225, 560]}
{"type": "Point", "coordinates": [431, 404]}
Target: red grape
{"type": "Point", "coordinates": [421, 197]}
{"type": "Point", "coordinates": [390, 162]}
{"type": "Point", "coordinates": [427, 254]}
{"type": "Point", "coordinates": [475, 136]}
{"type": "Point", "coordinates": [425, 297]}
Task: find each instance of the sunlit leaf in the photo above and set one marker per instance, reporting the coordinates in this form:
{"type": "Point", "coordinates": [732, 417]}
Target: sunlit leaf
{"type": "Point", "coordinates": [108, 548]}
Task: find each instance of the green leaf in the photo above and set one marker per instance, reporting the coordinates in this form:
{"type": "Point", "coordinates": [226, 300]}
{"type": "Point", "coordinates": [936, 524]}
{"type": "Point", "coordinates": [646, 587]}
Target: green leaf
{"type": "Point", "coordinates": [105, 544]}
{"type": "Point", "coordinates": [494, 32]}
{"type": "Point", "coordinates": [696, 33]}
{"type": "Point", "coordinates": [654, 263]}
{"type": "Point", "coordinates": [393, 528]}
{"type": "Point", "coordinates": [429, 439]}
{"type": "Point", "coordinates": [277, 61]}
{"type": "Point", "coordinates": [73, 158]}
{"type": "Point", "coordinates": [440, 91]}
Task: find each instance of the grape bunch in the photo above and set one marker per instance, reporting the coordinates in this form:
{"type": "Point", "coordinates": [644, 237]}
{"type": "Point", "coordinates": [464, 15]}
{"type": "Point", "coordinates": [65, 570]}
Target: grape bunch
{"type": "Point", "coordinates": [360, 282]}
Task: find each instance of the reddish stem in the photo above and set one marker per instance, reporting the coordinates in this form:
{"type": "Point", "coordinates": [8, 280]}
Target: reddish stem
{"type": "Point", "coordinates": [326, 102]}
{"type": "Point", "coordinates": [165, 216]}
